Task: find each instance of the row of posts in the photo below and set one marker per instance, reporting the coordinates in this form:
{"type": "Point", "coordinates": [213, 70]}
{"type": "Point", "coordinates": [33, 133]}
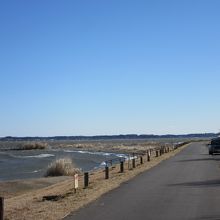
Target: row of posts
{"type": "Point", "coordinates": [162, 151]}
{"type": "Point", "coordinates": [86, 174]}
{"type": "Point", "coordinates": [158, 153]}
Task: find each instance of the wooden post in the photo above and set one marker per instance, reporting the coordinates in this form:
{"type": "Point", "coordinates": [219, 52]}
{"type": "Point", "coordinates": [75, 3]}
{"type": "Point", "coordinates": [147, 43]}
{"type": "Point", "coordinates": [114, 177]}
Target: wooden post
{"type": "Point", "coordinates": [86, 179]}
{"type": "Point", "coordinates": [157, 153]}
{"type": "Point", "coordinates": [141, 160]}
{"type": "Point", "coordinates": [1, 208]}
{"type": "Point", "coordinates": [133, 163]}
{"type": "Point", "coordinates": [148, 156]}
{"type": "Point", "coordinates": [106, 172]}
{"type": "Point", "coordinates": [121, 166]}
{"type": "Point", "coordinates": [76, 182]}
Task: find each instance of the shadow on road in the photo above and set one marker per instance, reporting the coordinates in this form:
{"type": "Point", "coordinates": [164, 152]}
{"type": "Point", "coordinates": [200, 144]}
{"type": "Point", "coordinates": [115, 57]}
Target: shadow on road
{"type": "Point", "coordinates": [207, 183]}
{"type": "Point", "coordinates": [200, 159]}
{"type": "Point", "coordinates": [209, 217]}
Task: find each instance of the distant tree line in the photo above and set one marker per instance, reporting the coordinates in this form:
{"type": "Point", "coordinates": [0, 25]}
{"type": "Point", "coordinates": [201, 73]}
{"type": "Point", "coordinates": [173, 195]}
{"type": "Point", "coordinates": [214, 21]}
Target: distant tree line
{"type": "Point", "coordinates": [110, 137]}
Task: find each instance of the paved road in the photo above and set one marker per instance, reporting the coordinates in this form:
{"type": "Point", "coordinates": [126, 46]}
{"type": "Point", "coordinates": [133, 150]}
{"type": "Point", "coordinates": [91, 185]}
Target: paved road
{"type": "Point", "coordinates": [187, 186]}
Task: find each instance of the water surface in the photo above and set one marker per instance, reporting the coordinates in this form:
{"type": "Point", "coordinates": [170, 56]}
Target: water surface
{"type": "Point", "coordinates": [23, 164]}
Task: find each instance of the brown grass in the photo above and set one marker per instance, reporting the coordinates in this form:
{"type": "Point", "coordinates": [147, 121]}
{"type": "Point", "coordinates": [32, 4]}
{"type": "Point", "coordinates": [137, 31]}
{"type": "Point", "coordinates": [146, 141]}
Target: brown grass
{"type": "Point", "coordinates": [62, 167]}
{"type": "Point", "coordinates": [31, 146]}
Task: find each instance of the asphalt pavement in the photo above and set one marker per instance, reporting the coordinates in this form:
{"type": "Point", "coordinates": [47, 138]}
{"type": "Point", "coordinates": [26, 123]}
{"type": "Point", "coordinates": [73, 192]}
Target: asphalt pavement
{"type": "Point", "coordinates": [186, 186]}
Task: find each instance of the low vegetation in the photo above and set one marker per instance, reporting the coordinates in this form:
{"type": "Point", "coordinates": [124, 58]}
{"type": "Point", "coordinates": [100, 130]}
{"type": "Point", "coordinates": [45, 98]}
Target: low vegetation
{"type": "Point", "coordinates": [62, 167]}
{"type": "Point", "coordinates": [33, 146]}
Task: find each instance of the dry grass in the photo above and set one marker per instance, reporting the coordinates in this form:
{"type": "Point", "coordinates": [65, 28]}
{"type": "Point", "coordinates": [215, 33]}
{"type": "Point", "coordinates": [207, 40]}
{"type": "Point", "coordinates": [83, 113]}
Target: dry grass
{"type": "Point", "coordinates": [32, 146]}
{"type": "Point", "coordinates": [32, 206]}
{"type": "Point", "coordinates": [62, 167]}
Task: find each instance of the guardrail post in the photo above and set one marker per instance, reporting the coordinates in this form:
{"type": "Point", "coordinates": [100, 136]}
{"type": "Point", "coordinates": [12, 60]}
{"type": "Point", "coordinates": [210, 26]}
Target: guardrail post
{"type": "Point", "coordinates": [133, 163]}
{"type": "Point", "coordinates": [157, 154]}
{"type": "Point", "coordinates": [122, 166]}
{"type": "Point", "coordinates": [1, 208]}
{"type": "Point", "coordinates": [106, 172]}
{"type": "Point", "coordinates": [86, 179]}
{"type": "Point", "coordinates": [141, 160]}
{"type": "Point", "coordinates": [148, 156]}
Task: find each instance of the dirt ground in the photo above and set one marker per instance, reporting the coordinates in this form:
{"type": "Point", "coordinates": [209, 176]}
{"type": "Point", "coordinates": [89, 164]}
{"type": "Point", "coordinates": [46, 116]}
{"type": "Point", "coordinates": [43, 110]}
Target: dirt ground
{"type": "Point", "coordinates": [25, 200]}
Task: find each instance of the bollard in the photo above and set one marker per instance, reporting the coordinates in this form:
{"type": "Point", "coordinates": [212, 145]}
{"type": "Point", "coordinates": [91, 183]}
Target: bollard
{"type": "Point", "coordinates": [141, 160]}
{"type": "Point", "coordinates": [1, 208]}
{"type": "Point", "coordinates": [86, 179]}
{"type": "Point", "coordinates": [106, 172]}
{"type": "Point", "coordinates": [157, 153]}
{"type": "Point", "coordinates": [121, 166]}
{"type": "Point", "coordinates": [148, 156]}
{"type": "Point", "coordinates": [133, 163]}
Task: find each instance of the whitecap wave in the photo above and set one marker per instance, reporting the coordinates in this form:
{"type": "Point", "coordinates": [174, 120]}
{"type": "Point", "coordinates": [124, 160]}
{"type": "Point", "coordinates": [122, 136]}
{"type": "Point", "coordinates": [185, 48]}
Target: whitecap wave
{"type": "Point", "coordinates": [37, 156]}
{"type": "Point", "coordinates": [36, 171]}
{"type": "Point", "coordinates": [103, 164]}
{"type": "Point", "coordinates": [107, 154]}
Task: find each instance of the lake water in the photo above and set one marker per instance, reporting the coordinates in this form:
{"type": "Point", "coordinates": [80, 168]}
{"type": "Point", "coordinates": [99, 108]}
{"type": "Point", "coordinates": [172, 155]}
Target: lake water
{"type": "Point", "coordinates": [33, 163]}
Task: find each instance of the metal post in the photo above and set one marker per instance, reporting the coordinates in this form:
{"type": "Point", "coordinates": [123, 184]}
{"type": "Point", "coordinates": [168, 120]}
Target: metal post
{"type": "Point", "coordinates": [106, 172]}
{"type": "Point", "coordinates": [86, 179]}
{"type": "Point", "coordinates": [1, 208]}
{"type": "Point", "coordinates": [122, 166]}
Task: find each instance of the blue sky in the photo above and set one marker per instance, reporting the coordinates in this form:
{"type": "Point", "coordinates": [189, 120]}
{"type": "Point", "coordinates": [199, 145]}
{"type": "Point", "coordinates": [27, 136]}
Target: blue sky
{"type": "Point", "coordinates": [96, 67]}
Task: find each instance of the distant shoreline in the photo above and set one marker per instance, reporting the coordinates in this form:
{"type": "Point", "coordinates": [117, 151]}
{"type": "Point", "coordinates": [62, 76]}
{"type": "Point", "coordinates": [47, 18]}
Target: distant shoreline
{"type": "Point", "coordinates": [110, 137]}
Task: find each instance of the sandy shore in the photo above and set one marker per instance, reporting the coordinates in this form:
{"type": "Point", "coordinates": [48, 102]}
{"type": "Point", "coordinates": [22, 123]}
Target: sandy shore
{"type": "Point", "coordinates": [27, 202]}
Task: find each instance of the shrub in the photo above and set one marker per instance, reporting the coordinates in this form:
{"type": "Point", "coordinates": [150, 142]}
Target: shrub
{"type": "Point", "coordinates": [31, 146]}
{"type": "Point", "coordinates": [62, 167]}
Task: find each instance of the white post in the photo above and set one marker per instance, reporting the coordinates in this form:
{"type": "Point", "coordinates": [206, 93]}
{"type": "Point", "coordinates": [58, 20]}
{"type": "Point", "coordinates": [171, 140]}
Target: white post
{"type": "Point", "coordinates": [76, 181]}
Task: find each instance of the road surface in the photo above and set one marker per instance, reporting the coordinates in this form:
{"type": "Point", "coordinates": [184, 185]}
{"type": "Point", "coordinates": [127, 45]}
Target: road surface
{"type": "Point", "coordinates": [186, 186]}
